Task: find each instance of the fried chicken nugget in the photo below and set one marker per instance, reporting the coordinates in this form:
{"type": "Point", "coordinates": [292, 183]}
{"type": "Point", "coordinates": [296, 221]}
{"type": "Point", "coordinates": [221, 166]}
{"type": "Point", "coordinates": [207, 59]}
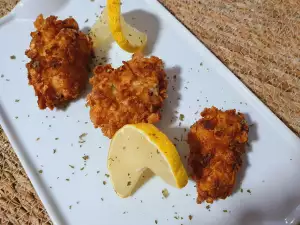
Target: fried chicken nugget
{"type": "Point", "coordinates": [132, 93]}
{"type": "Point", "coordinates": [217, 142]}
{"type": "Point", "coordinates": [59, 55]}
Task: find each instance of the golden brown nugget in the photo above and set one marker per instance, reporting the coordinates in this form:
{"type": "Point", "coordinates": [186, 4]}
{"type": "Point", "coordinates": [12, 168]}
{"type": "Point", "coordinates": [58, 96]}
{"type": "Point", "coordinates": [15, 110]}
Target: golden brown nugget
{"type": "Point", "coordinates": [59, 55]}
{"type": "Point", "coordinates": [217, 142]}
{"type": "Point", "coordinates": [133, 93]}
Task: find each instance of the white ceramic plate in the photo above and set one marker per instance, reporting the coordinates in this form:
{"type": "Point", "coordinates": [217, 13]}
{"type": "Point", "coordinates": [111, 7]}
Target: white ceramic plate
{"type": "Point", "coordinates": [271, 166]}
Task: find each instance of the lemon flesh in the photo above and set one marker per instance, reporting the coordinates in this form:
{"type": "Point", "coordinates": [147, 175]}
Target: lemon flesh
{"type": "Point", "coordinates": [135, 148]}
{"type": "Point", "coordinates": [100, 31]}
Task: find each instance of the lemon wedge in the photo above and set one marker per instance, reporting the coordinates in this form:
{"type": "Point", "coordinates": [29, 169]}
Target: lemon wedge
{"type": "Point", "coordinates": [127, 37]}
{"type": "Point", "coordinates": [136, 148]}
{"type": "Point", "coordinates": [112, 23]}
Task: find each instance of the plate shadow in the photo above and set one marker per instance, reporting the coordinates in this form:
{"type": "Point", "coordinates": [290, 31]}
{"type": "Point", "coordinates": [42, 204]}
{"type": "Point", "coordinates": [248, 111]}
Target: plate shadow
{"type": "Point", "coordinates": [137, 18]}
{"type": "Point", "coordinates": [252, 137]}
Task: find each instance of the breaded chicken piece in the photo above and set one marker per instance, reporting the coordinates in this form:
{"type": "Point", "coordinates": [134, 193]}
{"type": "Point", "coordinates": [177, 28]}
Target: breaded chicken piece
{"type": "Point", "coordinates": [217, 142]}
{"type": "Point", "coordinates": [132, 93]}
{"type": "Point", "coordinates": [59, 55]}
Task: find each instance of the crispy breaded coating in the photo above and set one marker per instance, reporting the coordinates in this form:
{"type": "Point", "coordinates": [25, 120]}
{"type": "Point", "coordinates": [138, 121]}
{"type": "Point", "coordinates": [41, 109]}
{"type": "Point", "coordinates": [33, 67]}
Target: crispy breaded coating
{"type": "Point", "coordinates": [132, 93]}
{"type": "Point", "coordinates": [217, 142]}
{"type": "Point", "coordinates": [59, 55]}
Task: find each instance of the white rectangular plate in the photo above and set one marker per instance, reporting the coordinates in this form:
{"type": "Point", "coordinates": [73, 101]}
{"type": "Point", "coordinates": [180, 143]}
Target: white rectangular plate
{"type": "Point", "coordinates": [271, 166]}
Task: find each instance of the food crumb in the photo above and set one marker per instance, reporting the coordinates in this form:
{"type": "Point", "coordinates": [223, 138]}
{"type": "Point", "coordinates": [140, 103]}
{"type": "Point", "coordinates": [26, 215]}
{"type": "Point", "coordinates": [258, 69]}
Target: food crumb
{"type": "Point", "coordinates": [165, 193]}
{"type": "Point", "coordinates": [104, 182]}
{"type": "Point", "coordinates": [86, 157]}
{"type": "Point", "coordinates": [17, 100]}
{"type": "Point", "coordinates": [155, 221]}
{"type": "Point", "coordinates": [225, 210]}
{"type": "Point", "coordinates": [249, 191]}
{"type": "Point", "coordinates": [13, 57]}
{"type": "Point", "coordinates": [40, 171]}
{"type": "Point", "coordinates": [38, 139]}
{"type": "Point", "coordinates": [190, 217]}
{"type": "Point", "coordinates": [70, 206]}
{"type": "Point", "coordinates": [82, 135]}
{"type": "Point", "coordinates": [181, 117]}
